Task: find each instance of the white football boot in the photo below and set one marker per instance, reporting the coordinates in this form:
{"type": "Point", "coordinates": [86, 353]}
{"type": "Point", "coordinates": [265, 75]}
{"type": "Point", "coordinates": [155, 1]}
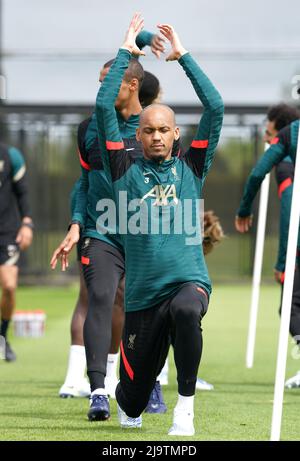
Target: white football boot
{"type": "Point", "coordinates": [127, 422]}
{"type": "Point", "coordinates": [81, 389]}
{"type": "Point", "coordinates": [294, 381]}
{"type": "Point", "coordinates": [183, 423]}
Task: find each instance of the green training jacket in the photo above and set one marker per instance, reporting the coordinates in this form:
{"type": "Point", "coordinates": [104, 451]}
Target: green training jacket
{"type": "Point", "coordinates": [156, 203]}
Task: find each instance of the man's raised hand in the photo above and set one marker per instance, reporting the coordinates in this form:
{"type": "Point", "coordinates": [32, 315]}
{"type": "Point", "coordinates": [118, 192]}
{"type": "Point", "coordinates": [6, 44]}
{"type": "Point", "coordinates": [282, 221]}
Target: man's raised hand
{"type": "Point", "coordinates": [135, 27]}
{"type": "Point", "coordinates": [177, 49]}
{"type": "Point", "coordinates": [157, 45]}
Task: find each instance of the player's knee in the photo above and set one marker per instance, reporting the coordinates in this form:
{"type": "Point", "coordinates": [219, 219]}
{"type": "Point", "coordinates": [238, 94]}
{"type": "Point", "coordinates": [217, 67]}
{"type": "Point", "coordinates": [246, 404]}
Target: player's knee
{"type": "Point", "coordinates": [101, 297]}
{"type": "Point", "coordinates": [9, 288]}
{"type": "Point", "coordinates": [136, 407]}
{"type": "Point", "coordinates": [133, 399]}
{"type": "Point", "coordinates": [187, 314]}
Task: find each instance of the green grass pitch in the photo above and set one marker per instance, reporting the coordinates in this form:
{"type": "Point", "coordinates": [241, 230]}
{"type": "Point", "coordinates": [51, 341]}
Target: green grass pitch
{"type": "Point", "coordinates": [240, 407]}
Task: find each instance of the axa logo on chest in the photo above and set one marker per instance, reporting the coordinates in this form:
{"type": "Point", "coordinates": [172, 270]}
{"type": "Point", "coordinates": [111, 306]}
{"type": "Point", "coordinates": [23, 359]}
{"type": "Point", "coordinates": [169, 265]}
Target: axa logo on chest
{"type": "Point", "coordinates": [163, 195]}
{"type": "Point", "coordinates": [159, 211]}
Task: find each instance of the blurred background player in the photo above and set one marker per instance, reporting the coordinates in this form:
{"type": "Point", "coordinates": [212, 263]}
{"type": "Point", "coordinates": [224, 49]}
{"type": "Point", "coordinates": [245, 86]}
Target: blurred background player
{"type": "Point", "coordinates": [278, 117]}
{"type": "Point", "coordinates": [15, 232]}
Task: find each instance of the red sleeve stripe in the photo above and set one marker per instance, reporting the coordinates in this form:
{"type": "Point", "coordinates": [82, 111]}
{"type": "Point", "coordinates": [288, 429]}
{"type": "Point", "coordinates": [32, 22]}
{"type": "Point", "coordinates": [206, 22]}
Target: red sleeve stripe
{"type": "Point", "coordinates": [200, 144]}
{"type": "Point", "coordinates": [85, 261]}
{"type": "Point", "coordinates": [275, 141]}
{"type": "Point", "coordinates": [284, 185]}
{"type": "Point", "coordinates": [127, 366]}
{"type": "Point", "coordinates": [111, 145]}
{"type": "Point", "coordinates": [83, 163]}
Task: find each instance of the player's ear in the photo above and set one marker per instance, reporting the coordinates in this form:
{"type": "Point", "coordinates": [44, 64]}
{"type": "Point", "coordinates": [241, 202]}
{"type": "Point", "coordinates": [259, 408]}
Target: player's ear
{"type": "Point", "coordinates": [138, 134]}
{"type": "Point", "coordinates": [134, 84]}
{"type": "Point", "coordinates": [176, 133]}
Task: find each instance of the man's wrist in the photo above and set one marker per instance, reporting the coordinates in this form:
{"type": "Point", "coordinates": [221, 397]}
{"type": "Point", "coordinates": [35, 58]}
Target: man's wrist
{"type": "Point", "coordinates": [128, 48]}
{"type": "Point", "coordinates": [78, 223]}
{"type": "Point", "coordinates": [144, 38]}
{"type": "Point", "coordinates": [27, 222]}
{"type": "Point", "coordinates": [243, 213]}
{"type": "Point", "coordinates": [182, 52]}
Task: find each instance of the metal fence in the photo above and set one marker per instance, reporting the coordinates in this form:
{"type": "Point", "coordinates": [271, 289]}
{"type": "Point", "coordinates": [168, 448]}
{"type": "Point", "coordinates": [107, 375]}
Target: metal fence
{"type": "Point", "coordinates": [47, 137]}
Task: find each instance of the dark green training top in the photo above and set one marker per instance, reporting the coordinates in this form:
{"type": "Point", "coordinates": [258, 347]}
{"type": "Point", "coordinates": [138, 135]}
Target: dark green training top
{"type": "Point", "coordinates": [282, 147]}
{"type": "Point", "coordinates": [158, 204]}
{"type": "Point", "coordinates": [285, 144]}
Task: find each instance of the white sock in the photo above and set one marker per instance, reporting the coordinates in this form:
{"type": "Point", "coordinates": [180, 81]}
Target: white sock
{"type": "Point", "coordinates": [185, 404]}
{"type": "Point", "coordinates": [164, 372]}
{"type": "Point", "coordinates": [98, 391]}
{"type": "Point", "coordinates": [76, 365]}
{"type": "Point", "coordinates": [111, 366]}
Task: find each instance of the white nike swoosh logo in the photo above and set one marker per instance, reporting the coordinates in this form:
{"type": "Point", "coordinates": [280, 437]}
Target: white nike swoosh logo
{"type": "Point", "coordinates": [130, 148]}
{"type": "Point", "coordinates": [145, 174]}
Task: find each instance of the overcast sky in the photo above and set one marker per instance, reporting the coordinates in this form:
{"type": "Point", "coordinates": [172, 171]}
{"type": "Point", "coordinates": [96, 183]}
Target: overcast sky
{"type": "Point", "coordinates": [53, 49]}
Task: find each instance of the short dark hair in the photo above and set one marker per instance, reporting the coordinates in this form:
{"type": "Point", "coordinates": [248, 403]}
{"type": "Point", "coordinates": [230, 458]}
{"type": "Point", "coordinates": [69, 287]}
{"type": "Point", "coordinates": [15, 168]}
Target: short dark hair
{"type": "Point", "coordinates": [134, 70]}
{"type": "Point", "coordinates": [149, 90]}
{"type": "Point", "coordinates": [282, 115]}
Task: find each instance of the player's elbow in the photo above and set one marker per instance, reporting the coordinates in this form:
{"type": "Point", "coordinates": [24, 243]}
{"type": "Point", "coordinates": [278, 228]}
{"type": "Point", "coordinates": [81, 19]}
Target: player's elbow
{"type": "Point", "coordinates": [217, 106]}
{"type": "Point", "coordinates": [257, 177]}
{"type": "Point", "coordinates": [104, 104]}
{"type": "Point", "coordinates": [102, 101]}
{"type": "Point", "coordinates": [99, 104]}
